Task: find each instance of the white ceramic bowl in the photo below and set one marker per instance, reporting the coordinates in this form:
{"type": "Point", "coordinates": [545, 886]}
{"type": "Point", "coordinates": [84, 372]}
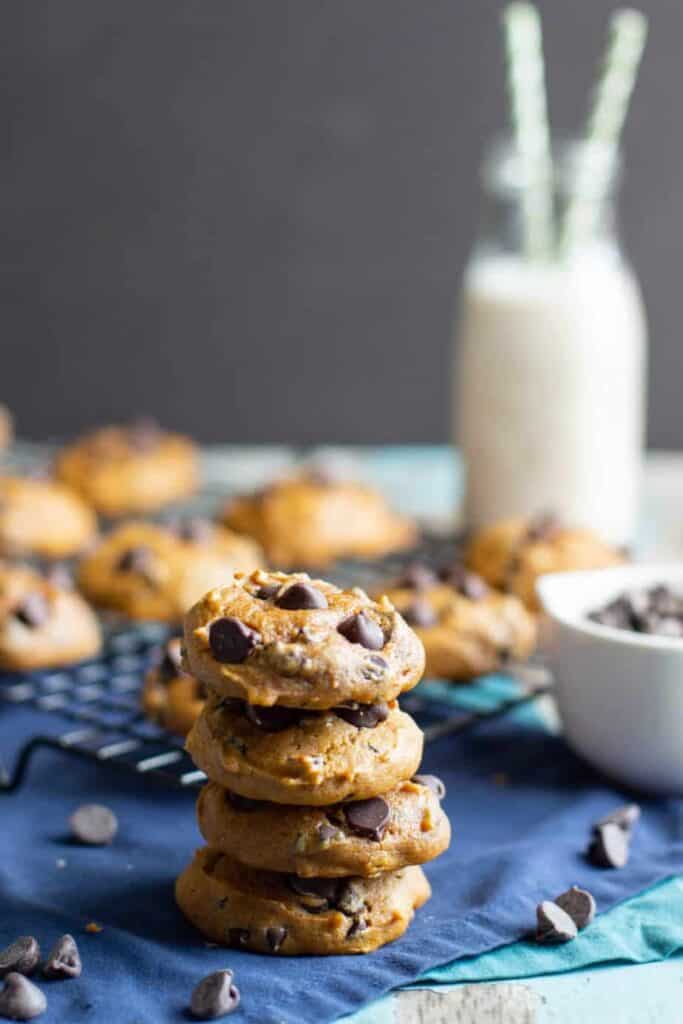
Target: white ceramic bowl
{"type": "Point", "coordinates": [620, 694]}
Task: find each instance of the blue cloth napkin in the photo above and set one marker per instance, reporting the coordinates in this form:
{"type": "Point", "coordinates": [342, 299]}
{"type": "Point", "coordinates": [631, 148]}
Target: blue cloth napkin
{"type": "Point", "coordinates": [521, 806]}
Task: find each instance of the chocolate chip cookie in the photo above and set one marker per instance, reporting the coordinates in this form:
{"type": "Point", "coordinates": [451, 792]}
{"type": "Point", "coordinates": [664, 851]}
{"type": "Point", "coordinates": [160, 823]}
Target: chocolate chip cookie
{"type": "Point", "coordinates": [275, 913]}
{"type": "Point", "coordinates": [149, 571]}
{"type": "Point", "coordinates": [42, 623]}
{"type": "Point", "coordinates": [364, 837]}
{"type": "Point", "coordinates": [127, 470]}
{"type": "Point", "coordinates": [170, 696]}
{"type": "Point", "coordinates": [310, 520]}
{"type": "Point", "coordinates": [272, 638]}
{"type": "Point", "coordinates": [42, 518]}
{"type": "Point", "coordinates": [291, 756]}
{"type": "Point", "coordinates": [512, 554]}
{"type": "Point", "coordinates": [467, 628]}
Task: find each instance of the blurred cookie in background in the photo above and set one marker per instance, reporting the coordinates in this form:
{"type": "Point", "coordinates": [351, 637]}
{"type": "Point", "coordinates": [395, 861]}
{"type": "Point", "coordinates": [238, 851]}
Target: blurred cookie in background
{"type": "Point", "coordinates": [122, 470]}
{"type": "Point", "coordinates": [6, 427]}
{"type": "Point", "coordinates": [468, 629]}
{"type": "Point", "coordinates": [43, 622]}
{"type": "Point", "coordinates": [170, 696]}
{"type": "Point", "coordinates": [314, 518]}
{"type": "Point", "coordinates": [151, 571]}
{"type": "Point", "coordinates": [43, 518]}
{"type": "Point", "coordinates": [512, 554]}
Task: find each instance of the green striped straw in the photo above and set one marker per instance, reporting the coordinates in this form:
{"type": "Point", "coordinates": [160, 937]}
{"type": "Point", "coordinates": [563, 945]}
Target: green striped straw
{"type": "Point", "coordinates": [597, 156]}
{"type": "Point", "coordinates": [529, 115]}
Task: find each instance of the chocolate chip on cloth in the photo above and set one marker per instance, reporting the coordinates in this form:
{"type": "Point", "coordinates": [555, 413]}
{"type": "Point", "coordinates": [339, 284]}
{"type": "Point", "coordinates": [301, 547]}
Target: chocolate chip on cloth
{"type": "Point", "coordinates": [322, 653]}
{"type": "Point", "coordinates": [21, 956]}
{"type": "Point", "coordinates": [553, 924]}
{"type": "Point", "coordinates": [321, 759]}
{"type": "Point", "coordinates": [318, 915]}
{"type": "Point", "coordinates": [215, 996]}
{"type": "Point", "coordinates": [148, 571]}
{"type": "Point", "coordinates": [467, 628]}
{"type": "Point", "coordinates": [609, 847]}
{"type": "Point", "coordinates": [20, 999]}
{"type": "Point", "coordinates": [326, 842]}
{"type": "Point", "coordinates": [64, 960]}
{"type": "Point", "coordinates": [579, 904]}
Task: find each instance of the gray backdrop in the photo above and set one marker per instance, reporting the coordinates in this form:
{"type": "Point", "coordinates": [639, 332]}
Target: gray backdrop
{"type": "Point", "coordinates": [249, 217]}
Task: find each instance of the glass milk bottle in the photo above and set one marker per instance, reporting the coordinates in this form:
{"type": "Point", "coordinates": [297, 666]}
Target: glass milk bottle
{"type": "Point", "coordinates": [550, 368]}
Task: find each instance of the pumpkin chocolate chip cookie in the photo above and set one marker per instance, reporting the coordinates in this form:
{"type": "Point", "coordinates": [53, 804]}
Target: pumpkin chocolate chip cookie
{"type": "Point", "coordinates": [291, 756]}
{"type": "Point", "coordinates": [130, 470]}
{"type": "Point", "coordinates": [43, 518]}
{"type": "Point", "coordinates": [512, 554]}
{"type": "Point", "coordinates": [277, 913]}
{"type": "Point", "coordinates": [43, 624]}
{"type": "Point", "coordinates": [149, 571]}
{"type": "Point", "coordinates": [170, 696]}
{"type": "Point", "coordinates": [363, 837]}
{"type": "Point", "coordinates": [273, 638]}
{"type": "Point", "coordinates": [309, 521]}
{"type": "Point", "coordinates": [467, 628]}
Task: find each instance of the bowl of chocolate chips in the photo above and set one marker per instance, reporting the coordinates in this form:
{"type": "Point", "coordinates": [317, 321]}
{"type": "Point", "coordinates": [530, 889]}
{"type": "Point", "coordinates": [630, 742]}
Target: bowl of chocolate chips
{"type": "Point", "coordinates": [613, 640]}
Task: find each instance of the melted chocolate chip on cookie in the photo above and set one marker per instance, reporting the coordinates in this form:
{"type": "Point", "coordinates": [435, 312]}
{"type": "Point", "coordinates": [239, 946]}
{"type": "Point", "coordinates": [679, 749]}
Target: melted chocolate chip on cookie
{"type": "Point", "coordinates": [267, 592]}
{"type": "Point", "coordinates": [273, 719]}
{"type": "Point", "coordinates": [135, 560]}
{"type": "Point", "coordinates": [363, 716]}
{"type": "Point", "coordinates": [368, 818]}
{"type": "Point", "coordinates": [301, 597]}
{"type": "Point", "coordinates": [242, 803]}
{"type": "Point", "coordinates": [359, 629]}
{"type": "Point", "coordinates": [232, 641]}
{"type": "Point", "coordinates": [466, 583]}
{"type": "Point", "coordinates": [275, 937]}
{"type": "Point", "coordinates": [421, 614]}
{"type": "Point", "coordinates": [34, 611]}
{"type": "Point", "coordinates": [318, 893]}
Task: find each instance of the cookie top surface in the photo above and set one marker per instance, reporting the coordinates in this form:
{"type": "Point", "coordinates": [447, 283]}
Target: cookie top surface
{"type": "Point", "coordinates": [313, 759]}
{"type": "Point", "coordinates": [44, 518]}
{"type": "Point", "coordinates": [308, 521]}
{"type": "Point", "coordinates": [467, 628]}
{"type": "Point", "coordinates": [512, 554]}
{"type": "Point", "coordinates": [130, 469]}
{"type": "Point", "coordinates": [273, 913]}
{"type": "Point", "coordinates": [42, 623]}
{"type": "Point", "coordinates": [404, 826]}
{"type": "Point", "coordinates": [149, 571]}
{"type": "Point", "coordinates": [273, 638]}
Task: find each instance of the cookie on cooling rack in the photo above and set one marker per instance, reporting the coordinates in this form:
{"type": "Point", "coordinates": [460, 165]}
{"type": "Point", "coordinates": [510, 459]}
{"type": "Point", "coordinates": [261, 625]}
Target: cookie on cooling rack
{"type": "Point", "coordinates": [170, 696]}
{"type": "Point", "coordinates": [512, 554]}
{"type": "Point", "coordinates": [127, 470]}
{"type": "Point", "coordinates": [43, 518]}
{"type": "Point", "coordinates": [43, 623]}
{"type": "Point", "coordinates": [289, 756]}
{"type": "Point", "coordinates": [468, 629]}
{"type": "Point", "coordinates": [150, 571]}
{"type": "Point", "coordinates": [404, 826]}
{"type": "Point", "coordinates": [291, 916]}
{"type": "Point", "coordinates": [273, 638]}
{"type": "Point", "coordinates": [311, 520]}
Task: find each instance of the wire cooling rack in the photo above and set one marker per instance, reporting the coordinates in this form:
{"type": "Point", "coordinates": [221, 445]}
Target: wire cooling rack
{"type": "Point", "coordinates": [95, 713]}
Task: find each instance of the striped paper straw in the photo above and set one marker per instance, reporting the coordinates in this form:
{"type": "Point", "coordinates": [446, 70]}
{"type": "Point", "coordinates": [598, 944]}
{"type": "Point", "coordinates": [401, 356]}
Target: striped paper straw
{"type": "Point", "coordinates": [529, 115]}
{"type": "Point", "coordinates": [627, 33]}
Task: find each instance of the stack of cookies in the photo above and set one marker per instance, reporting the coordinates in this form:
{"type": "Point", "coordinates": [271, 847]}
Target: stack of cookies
{"type": "Point", "coordinates": [315, 821]}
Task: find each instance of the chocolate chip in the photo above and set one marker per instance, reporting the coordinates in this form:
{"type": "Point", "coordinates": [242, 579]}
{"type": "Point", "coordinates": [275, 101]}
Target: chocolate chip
{"type": "Point", "coordinates": [609, 847]}
{"type": "Point", "coordinates": [243, 803]}
{"type": "Point", "coordinates": [237, 937]}
{"type": "Point", "coordinates": [20, 999]}
{"type": "Point", "coordinates": [171, 665]}
{"type": "Point", "coordinates": [350, 900]}
{"type": "Point", "coordinates": [553, 924]}
{"type": "Point", "coordinates": [267, 591]}
{"type": "Point", "coordinates": [215, 996]}
{"type": "Point", "coordinates": [93, 824]}
{"type": "Point", "coordinates": [363, 716]}
{"type": "Point", "coordinates": [316, 894]}
{"type": "Point", "coordinates": [579, 904]}
{"type": "Point", "coordinates": [194, 530]}
{"type": "Point", "coordinates": [467, 583]}
{"type": "Point", "coordinates": [417, 576]}
{"type": "Point", "coordinates": [542, 527]}
{"type": "Point", "coordinates": [420, 614]}
{"type": "Point", "coordinates": [275, 937]}
{"type": "Point", "coordinates": [625, 817]}
{"type": "Point", "coordinates": [273, 719]}
{"type": "Point", "coordinates": [64, 960]}
{"type": "Point", "coordinates": [232, 641]}
{"type": "Point", "coordinates": [21, 956]}
{"type": "Point", "coordinates": [34, 611]}
{"type": "Point", "coordinates": [356, 927]}
{"type": "Point", "coordinates": [136, 559]}
{"type": "Point", "coordinates": [301, 597]}
{"type": "Point", "coordinates": [368, 818]}
{"type": "Point", "coordinates": [359, 629]}
{"type": "Point", "coordinates": [375, 668]}
{"type": "Point", "coordinates": [432, 782]}
{"type": "Point", "coordinates": [327, 832]}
